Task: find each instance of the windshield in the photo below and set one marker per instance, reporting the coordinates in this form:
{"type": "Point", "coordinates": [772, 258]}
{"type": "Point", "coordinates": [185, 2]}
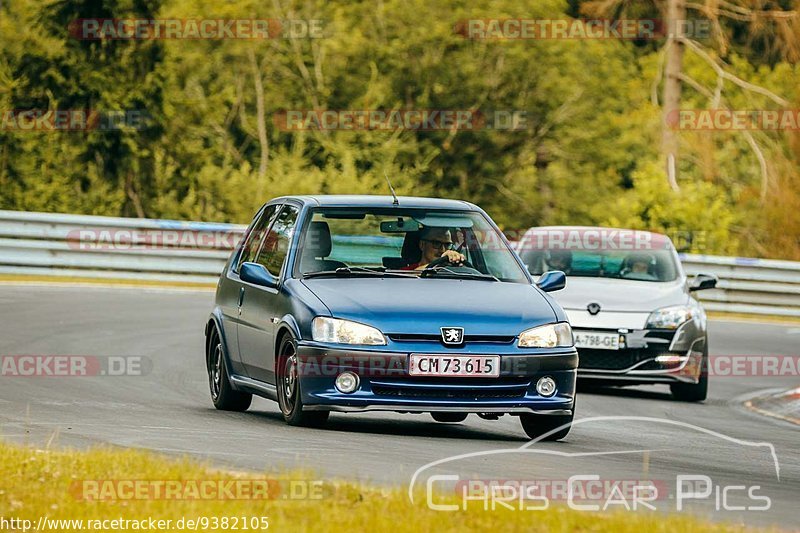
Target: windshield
{"type": "Point", "coordinates": [652, 264]}
{"type": "Point", "coordinates": [368, 240]}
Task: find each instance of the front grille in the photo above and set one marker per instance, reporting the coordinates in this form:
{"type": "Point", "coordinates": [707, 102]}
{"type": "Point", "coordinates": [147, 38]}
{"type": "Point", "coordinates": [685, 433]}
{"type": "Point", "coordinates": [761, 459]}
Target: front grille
{"type": "Point", "coordinates": [664, 335]}
{"type": "Point", "coordinates": [606, 359]}
{"type": "Point", "coordinates": [424, 337]}
{"type": "Point", "coordinates": [453, 387]}
{"type": "Point", "coordinates": [615, 359]}
{"type": "Point", "coordinates": [454, 382]}
{"type": "Point", "coordinates": [460, 394]}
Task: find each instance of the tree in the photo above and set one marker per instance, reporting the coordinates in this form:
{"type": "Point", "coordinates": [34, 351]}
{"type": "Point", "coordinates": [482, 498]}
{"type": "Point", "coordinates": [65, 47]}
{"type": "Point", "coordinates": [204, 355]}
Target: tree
{"type": "Point", "coordinates": [761, 18]}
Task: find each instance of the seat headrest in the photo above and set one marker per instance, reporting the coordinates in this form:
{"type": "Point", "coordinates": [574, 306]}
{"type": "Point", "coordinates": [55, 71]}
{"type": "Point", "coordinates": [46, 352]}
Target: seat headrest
{"type": "Point", "coordinates": [410, 251]}
{"type": "Point", "coordinates": [318, 240]}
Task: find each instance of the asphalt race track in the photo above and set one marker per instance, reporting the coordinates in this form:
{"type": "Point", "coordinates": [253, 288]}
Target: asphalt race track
{"type": "Point", "coordinates": [169, 410]}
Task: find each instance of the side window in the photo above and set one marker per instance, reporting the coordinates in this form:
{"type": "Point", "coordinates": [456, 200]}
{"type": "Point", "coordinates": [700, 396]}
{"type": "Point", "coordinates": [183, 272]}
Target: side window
{"type": "Point", "coordinates": [276, 244]}
{"type": "Point", "coordinates": [254, 239]}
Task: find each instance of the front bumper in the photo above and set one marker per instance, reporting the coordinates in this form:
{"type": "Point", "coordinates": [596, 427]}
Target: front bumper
{"type": "Point", "coordinates": [385, 384]}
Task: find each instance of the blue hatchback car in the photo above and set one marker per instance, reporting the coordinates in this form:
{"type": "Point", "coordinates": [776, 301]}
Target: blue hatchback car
{"type": "Point", "coordinates": [414, 305]}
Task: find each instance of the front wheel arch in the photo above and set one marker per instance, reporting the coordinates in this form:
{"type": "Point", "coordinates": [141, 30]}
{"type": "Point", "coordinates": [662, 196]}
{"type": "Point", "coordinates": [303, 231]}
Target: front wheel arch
{"type": "Point", "coordinates": [287, 326]}
{"type": "Point", "coordinates": [211, 330]}
{"type": "Point", "coordinates": [283, 331]}
{"type": "Point", "coordinates": [293, 414]}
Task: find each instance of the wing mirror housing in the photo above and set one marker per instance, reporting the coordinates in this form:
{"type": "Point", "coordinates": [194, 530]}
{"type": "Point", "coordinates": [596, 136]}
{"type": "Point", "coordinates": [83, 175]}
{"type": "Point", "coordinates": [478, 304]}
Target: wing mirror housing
{"type": "Point", "coordinates": [702, 282]}
{"type": "Point", "coordinates": [257, 274]}
{"type": "Point", "coordinates": [552, 280]}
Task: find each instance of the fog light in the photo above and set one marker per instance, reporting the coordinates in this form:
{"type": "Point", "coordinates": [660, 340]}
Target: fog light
{"type": "Point", "coordinates": [546, 386]}
{"type": "Point", "coordinates": [671, 359]}
{"type": "Point", "coordinates": [346, 382]}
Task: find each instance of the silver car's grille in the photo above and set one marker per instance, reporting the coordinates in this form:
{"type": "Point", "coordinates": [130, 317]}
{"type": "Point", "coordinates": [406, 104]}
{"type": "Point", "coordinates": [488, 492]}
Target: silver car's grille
{"type": "Point", "coordinates": [606, 359]}
{"type": "Point", "coordinates": [615, 359]}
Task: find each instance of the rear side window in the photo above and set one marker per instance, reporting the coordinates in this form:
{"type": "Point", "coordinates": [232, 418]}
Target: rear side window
{"type": "Point", "coordinates": [276, 244]}
{"type": "Point", "coordinates": [256, 235]}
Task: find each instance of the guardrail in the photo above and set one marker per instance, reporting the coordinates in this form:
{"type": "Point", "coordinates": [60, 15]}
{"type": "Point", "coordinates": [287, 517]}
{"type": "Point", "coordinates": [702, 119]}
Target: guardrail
{"type": "Point", "coordinates": [758, 286]}
{"type": "Point", "coordinates": [48, 244]}
{"type": "Point", "coordinates": [114, 248]}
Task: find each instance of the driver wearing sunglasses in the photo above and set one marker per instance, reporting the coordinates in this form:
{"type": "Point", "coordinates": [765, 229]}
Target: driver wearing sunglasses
{"type": "Point", "coordinates": [435, 243]}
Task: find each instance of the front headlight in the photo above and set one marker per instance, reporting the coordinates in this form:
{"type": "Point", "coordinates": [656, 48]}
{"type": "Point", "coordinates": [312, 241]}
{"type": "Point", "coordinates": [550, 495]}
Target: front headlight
{"type": "Point", "coordinates": [336, 330]}
{"type": "Point", "coordinates": [670, 317]}
{"type": "Point", "coordinates": [549, 336]}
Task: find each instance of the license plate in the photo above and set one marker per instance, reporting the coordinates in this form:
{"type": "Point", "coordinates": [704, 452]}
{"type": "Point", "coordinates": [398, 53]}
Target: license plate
{"type": "Point", "coordinates": [597, 340]}
{"type": "Point", "coordinates": [454, 365]}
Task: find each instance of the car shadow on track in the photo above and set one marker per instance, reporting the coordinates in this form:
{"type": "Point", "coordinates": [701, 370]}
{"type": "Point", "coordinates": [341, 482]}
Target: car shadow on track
{"type": "Point", "coordinates": [418, 426]}
{"type": "Point", "coordinates": [626, 392]}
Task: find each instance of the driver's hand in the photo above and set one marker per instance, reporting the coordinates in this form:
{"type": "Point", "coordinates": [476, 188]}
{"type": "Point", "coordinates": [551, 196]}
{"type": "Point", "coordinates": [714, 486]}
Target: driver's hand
{"type": "Point", "coordinates": [454, 257]}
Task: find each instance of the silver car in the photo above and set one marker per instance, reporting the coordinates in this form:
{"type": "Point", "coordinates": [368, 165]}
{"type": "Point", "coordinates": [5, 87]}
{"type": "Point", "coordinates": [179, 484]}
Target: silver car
{"type": "Point", "coordinates": [629, 303]}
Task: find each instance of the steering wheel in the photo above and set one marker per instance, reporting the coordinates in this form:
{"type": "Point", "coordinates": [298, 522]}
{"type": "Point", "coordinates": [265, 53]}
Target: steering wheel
{"type": "Point", "coordinates": [442, 261]}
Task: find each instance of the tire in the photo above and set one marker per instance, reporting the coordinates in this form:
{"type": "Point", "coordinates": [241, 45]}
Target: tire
{"type": "Point", "coordinates": [449, 417]}
{"type": "Point", "coordinates": [223, 395]}
{"type": "Point", "coordinates": [290, 398]}
{"type": "Point", "coordinates": [693, 392]}
{"type": "Point", "coordinates": [537, 425]}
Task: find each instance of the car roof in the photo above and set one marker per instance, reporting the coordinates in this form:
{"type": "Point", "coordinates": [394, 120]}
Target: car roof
{"type": "Point", "coordinates": [366, 200]}
{"type": "Point", "coordinates": [596, 228]}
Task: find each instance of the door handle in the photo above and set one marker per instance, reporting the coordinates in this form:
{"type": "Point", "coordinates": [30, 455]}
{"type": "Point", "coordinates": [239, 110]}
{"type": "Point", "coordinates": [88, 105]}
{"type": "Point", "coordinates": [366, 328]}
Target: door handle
{"type": "Point", "coordinates": [241, 298]}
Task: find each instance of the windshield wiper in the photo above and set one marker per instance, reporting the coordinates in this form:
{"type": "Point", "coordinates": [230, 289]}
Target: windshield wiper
{"type": "Point", "coordinates": [454, 273]}
{"type": "Point", "coordinates": [354, 271]}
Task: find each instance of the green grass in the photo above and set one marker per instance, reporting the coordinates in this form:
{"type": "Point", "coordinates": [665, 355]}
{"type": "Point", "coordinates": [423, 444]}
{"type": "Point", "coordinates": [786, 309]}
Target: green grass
{"type": "Point", "coordinates": [36, 483]}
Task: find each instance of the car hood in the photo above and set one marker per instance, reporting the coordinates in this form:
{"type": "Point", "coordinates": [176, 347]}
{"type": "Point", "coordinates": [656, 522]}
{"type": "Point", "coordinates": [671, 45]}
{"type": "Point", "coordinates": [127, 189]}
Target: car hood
{"type": "Point", "coordinates": [424, 305]}
{"type": "Point", "coordinates": [620, 294]}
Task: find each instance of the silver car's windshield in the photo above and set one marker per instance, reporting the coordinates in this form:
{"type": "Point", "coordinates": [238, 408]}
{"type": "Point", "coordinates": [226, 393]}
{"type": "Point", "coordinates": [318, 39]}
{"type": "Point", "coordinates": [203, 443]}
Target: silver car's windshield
{"type": "Point", "coordinates": [649, 265]}
{"type": "Point", "coordinates": [357, 240]}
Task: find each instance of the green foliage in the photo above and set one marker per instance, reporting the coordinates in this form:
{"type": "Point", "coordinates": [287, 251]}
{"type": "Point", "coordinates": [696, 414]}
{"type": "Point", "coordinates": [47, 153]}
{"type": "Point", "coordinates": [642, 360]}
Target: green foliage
{"type": "Point", "coordinates": [585, 157]}
{"type": "Point", "coordinates": [651, 205]}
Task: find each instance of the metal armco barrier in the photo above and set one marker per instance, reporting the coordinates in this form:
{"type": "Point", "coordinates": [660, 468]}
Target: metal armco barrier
{"type": "Point", "coordinates": [47, 244]}
{"type": "Point", "coordinates": [759, 286]}
{"type": "Point", "coordinates": [114, 248]}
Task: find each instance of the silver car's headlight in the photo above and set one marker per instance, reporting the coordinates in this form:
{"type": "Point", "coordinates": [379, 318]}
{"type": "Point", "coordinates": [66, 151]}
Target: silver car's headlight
{"type": "Point", "coordinates": [336, 330]}
{"type": "Point", "coordinates": [549, 336]}
{"type": "Point", "coordinates": [670, 317]}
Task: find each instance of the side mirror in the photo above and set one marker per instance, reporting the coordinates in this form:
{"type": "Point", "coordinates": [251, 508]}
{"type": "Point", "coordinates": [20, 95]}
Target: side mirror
{"type": "Point", "coordinates": [552, 280]}
{"type": "Point", "coordinates": [702, 282]}
{"type": "Point", "coordinates": [257, 275]}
